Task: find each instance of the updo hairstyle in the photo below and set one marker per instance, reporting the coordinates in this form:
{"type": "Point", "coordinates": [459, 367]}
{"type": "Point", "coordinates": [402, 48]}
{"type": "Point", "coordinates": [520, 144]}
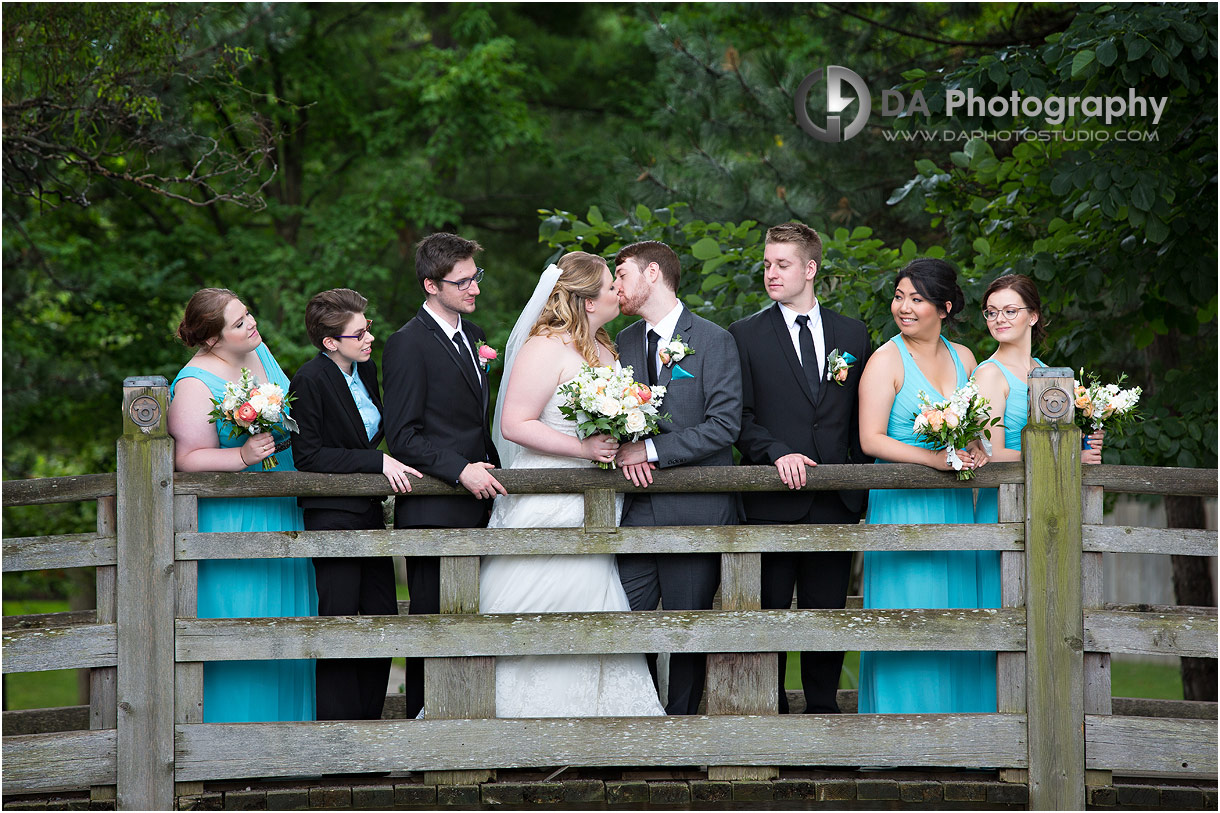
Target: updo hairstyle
{"type": "Point", "coordinates": [936, 281]}
{"type": "Point", "coordinates": [205, 316]}
{"type": "Point", "coordinates": [1025, 288]}
{"type": "Point", "coordinates": [564, 311]}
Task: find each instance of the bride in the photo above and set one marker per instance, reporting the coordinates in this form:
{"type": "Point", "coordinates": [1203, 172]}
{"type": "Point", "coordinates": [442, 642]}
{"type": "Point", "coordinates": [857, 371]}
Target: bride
{"type": "Point", "coordinates": [561, 327]}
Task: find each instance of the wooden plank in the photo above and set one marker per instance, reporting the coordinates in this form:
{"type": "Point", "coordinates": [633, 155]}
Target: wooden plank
{"type": "Point", "coordinates": [45, 721]}
{"type": "Point", "coordinates": [1157, 707]}
{"type": "Point", "coordinates": [828, 477]}
{"type": "Point", "coordinates": [601, 515]}
{"type": "Point", "coordinates": [1190, 633]}
{"type": "Point", "coordinates": [104, 681]}
{"type": "Point", "coordinates": [460, 688]}
{"type": "Point", "coordinates": [1127, 539]}
{"type": "Point", "coordinates": [59, 550]}
{"type": "Point", "coordinates": [48, 490]}
{"type": "Point", "coordinates": [741, 683]}
{"type": "Point", "coordinates": [1152, 480]}
{"type": "Point", "coordinates": [1050, 446]}
{"type": "Point", "coordinates": [284, 749]}
{"type": "Point", "coordinates": [434, 636]}
{"type": "Point", "coordinates": [1150, 745]}
{"type": "Point", "coordinates": [188, 677]}
{"type": "Point", "coordinates": [1010, 666]}
{"type": "Point", "coordinates": [78, 647]}
{"type": "Point", "coordinates": [67, 759]}
{"type": "Point", "coordinates": [527, 541]}
{"type": "Point", "coordinates": [145, 597]}
{"type": "Point", "coordinates": [72, 618]}
{"type": "Point", "coordinates": [1096, 664]}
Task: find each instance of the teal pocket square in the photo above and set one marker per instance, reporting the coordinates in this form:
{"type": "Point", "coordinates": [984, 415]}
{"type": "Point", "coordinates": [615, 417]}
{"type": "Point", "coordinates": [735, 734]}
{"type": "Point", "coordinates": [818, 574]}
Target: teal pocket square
{"type": "Point", "coordinates": [679, 373]}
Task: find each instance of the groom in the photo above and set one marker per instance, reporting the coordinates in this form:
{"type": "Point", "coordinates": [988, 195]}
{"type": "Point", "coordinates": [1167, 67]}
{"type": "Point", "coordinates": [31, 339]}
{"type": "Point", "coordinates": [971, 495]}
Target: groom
{"type": "Point", "coordinates": [703, 399]}
{"type": "Point", "coordinates": [436, 415]}
{"type": "Point", "coordinates": [797, 413]}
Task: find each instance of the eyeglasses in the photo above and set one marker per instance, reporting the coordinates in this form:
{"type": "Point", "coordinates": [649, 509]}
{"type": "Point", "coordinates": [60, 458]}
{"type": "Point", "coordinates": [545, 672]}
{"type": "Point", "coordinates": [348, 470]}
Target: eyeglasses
{"type": "Point", "coordinates": [463, 284]}
{"type": "Point", "coordinates": [1009, 313]}
{"type": "Point", "coordinates": [359, 334]}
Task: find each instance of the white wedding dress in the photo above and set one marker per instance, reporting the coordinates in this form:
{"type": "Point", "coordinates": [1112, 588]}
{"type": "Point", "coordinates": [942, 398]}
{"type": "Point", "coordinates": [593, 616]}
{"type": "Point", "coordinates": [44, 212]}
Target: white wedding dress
{"type": "Point", "coordinates": [560, 685]}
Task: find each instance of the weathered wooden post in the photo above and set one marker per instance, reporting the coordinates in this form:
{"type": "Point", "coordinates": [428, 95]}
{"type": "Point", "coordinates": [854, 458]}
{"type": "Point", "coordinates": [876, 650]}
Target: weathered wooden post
{"type": "Point", "coordinates": [1096, 664]}
{"type": "Point", "coordinates": [459, 688]}
{"type": "Point", "coordinates": [1054, 619]}
{"type": "Point", "coordinates": [103, 681]}
{"type": "Point", "coordinates": [741, 682]}
{"type": "Point", "coordinates": [1010, 666]}
{"type": "Point", "coordinates": [145, 598]}
{"type": "Point", "coordinates": [188, 677]}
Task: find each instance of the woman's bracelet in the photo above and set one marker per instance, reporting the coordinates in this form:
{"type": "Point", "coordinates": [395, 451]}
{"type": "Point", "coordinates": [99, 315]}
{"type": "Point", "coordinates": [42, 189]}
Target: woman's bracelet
{"type": "Point", "coordinates": [241, 452]}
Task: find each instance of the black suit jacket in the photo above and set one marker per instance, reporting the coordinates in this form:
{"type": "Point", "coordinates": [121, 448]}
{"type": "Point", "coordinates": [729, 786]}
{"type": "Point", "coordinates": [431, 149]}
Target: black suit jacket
{"type": "Point", "coordinates": [436, 419]}
{"type": "Point", "coordinates": [780, 414]}
{"type": "Point", "coordinates": [332, 436]}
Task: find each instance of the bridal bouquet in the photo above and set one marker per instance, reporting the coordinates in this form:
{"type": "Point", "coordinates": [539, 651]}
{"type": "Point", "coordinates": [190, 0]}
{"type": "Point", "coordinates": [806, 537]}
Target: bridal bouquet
{"type": "Point", "coordinates": [1108, 404]}
{"type": "Point", "coordinates": [611, 402]}
{"type": "Point", "coordinates": [953, 423]}
{"type": "Point", "coordinates": [252, 408]}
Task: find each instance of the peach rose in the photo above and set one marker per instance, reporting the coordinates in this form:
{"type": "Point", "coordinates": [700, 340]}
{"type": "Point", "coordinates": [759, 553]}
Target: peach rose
{"type": "Point", "coordinates": [841, 375]}
{"type": "Point", "coordinates": [936, 420]}
{"type": "Point", "coordinates": [644, 394]}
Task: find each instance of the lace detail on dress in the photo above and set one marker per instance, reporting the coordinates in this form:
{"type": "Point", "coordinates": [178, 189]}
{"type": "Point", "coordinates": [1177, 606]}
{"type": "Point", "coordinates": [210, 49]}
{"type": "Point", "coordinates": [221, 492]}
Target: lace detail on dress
{"type": "Point", "coordinates": [560, 685]}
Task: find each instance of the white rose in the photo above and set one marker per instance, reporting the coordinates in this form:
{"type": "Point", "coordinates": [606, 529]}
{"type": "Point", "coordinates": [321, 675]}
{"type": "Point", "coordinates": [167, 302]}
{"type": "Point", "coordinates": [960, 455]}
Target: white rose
{"type": "Point", "coordinates": [608, 406]}
{"type": "Point", "coordinates": [260, 403]}
{"type": "Point", "coordinates": [676, 351]}
{"type": "Point", "coordinates": [636, 421]}
{"type": "Point", "coordinates": [604, 372]}
{"type": "Point", "coordinates": [951, 419]}
{"type": "Point", "coordinates": [230, 402]}
{"type": "Point", "coordinates": [921, 423]}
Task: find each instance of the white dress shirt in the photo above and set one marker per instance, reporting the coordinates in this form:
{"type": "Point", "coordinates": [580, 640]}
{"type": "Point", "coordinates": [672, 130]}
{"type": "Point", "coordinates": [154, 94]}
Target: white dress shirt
{"type": "Point", "coordinates": [665, 330]}
{"type": "Point", "coordinates": [815, 327]}
{"type": "Point", "coordinates": [452, 331]}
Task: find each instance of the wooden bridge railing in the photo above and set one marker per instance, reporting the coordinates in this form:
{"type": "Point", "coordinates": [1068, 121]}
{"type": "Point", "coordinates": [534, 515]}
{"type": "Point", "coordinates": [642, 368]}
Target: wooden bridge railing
{"type": "Point", "coordinates": [145, 646]}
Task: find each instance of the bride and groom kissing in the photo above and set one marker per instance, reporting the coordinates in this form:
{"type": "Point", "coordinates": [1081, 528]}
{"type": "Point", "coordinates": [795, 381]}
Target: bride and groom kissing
{"type": "Point", "coordinates": [436, 404]}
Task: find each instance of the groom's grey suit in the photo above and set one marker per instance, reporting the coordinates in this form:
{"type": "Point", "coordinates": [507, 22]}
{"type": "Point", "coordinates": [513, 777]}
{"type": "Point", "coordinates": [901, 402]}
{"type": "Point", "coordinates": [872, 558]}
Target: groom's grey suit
{"type": "Point", "coordinates": [705, 417]}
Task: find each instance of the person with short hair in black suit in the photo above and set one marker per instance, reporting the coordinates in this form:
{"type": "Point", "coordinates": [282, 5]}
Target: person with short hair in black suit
{"type": "Point", "coordinates": [338, 411]}
{"type": "Point", "coordinates": [436, 399]}
{"type": "Point", "coordinates": [800, 410]}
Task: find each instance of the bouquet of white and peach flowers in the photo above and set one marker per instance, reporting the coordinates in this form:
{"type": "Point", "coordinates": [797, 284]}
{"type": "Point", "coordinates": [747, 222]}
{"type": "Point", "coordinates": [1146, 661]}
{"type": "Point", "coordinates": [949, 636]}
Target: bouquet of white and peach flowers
{"type": "Point", "coordinates": [601, 400]}
{"type": "Point", "coordinates": [1100, 404]}
{"type": "Point", "coordinates": [252, 408]}
{"type": "Point", "coordinates": [952, 423]}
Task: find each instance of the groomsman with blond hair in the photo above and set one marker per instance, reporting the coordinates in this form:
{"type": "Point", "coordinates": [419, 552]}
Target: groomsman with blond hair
{"type": "Point", "coordinates": [800, 369]}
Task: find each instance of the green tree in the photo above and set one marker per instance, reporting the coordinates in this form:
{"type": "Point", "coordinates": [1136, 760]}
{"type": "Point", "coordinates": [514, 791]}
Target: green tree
{"type": "Point", "coordinates": [1117, 223]}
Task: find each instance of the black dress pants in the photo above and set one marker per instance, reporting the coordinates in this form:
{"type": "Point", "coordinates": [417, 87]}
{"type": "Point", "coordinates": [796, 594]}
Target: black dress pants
{"type": "Point", "coordinates": [352, 688]}
{"type": "Point", "coordinates": [820, 580]}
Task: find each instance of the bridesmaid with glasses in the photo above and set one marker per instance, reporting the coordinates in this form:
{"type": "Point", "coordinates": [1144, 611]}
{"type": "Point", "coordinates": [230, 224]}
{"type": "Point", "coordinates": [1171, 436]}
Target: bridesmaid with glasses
{"type": "Point", "coordinates": [1013, 312]}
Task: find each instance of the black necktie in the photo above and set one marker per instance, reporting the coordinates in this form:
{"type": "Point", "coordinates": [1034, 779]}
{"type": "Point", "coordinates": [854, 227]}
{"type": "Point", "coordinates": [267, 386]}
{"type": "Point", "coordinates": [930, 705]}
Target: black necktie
{"type": "Point", "coordinates": [809, 354]}
{"type": "Point", "coordinates": [464, 351]}
{"type": "Point", "coordinates": [653, 338]}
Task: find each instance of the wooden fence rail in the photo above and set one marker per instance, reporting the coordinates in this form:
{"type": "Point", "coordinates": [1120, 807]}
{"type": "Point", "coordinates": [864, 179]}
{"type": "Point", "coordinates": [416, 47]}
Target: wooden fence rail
{"type": "Point", "coordinates": [1055, 727]}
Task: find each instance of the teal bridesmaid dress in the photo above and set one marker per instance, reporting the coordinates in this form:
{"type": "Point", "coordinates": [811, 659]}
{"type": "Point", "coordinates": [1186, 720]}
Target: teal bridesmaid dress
{"type": "Point", "coordinates": [925, 682]}
{"type": "Point", "coordinates": [254, 691]}
{"type": "Point", "coordinates": [1016, 413]}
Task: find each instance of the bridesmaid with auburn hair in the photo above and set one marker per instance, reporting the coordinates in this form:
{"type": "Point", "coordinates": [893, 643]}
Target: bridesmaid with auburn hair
{"type": "Point", "coordinates": [226, 339]}
{"type": "Point", "coordinates": [920, 359]}
{"type": "Point", "coordinates": [1013, 312]}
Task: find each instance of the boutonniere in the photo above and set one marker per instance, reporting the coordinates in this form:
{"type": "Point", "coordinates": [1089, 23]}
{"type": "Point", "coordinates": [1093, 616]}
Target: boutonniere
{"type": "Point", "coordinates": [837, 365]}
{"type": "Point", "coordinates": [486, 354]}
{"type": "Point", "coordinates": [674, 350]}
